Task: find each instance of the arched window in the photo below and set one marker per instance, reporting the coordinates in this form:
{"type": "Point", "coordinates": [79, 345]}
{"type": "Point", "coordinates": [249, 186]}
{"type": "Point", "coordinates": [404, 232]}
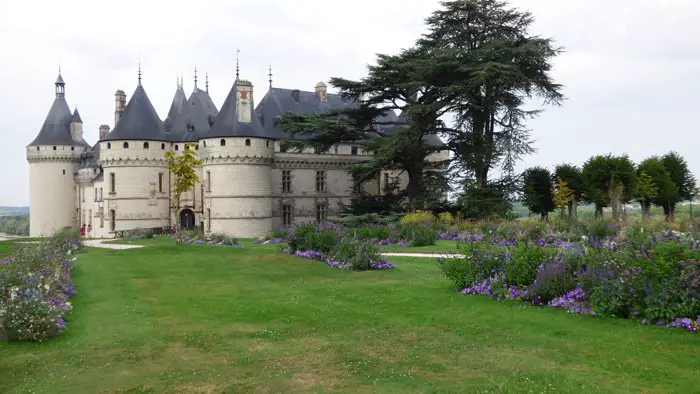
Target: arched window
{"type": "Point", "coordinates": [126, 145]}
{"type": "Point", "coordinates": [204, 143]}
{"type": "Point", "coordinates": [267, 143]}
{"type": "Point", "coordinates": [223, 142]}
{"type": "Point", "coordinates": [176, 147]}
{"type": "Point", "coordinates": [162, 146]}
{"type": "Point", "coordinates": [145, 145]}
{"type": "Point", "coordinates": [109, 145]}
{"type": "Point", "coordinates": [247, 142]}
{"type": "Point", "coordinates": [37, 148]}
{"type": "Point", "coordinates": [72, 148]}
{"type": "Point", "coordinates": [54, 147]}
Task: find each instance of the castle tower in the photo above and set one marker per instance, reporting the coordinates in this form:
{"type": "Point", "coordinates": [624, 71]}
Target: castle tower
{"type": "Point", "coordinates": [237, 157]}
{"type": "Point", "coordinates": [135, 172]}
{"type": "Point", "coordinates": [53, 158]}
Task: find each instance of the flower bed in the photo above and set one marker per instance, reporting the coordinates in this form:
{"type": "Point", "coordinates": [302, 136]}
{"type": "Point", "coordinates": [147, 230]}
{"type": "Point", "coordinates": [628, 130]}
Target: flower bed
{"type": "Point", "coordinates": [35, 288]}
{"type": "Point", "coordinates": [649, 278]}
{"type": "Point", "coordinates": [336, 246]}
{"type": "Point", "coordinates": [197, 238]}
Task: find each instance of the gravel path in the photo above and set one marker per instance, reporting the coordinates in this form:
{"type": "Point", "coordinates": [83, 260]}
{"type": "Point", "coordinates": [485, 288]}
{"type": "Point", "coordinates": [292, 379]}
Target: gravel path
{"type": "Point", "coordinates": [99, 243]}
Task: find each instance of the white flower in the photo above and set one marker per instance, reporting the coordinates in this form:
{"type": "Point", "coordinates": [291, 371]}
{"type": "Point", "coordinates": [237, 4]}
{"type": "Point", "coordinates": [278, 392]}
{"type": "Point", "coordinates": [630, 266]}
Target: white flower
{"type": "Point", "coordinates": [46, 286]}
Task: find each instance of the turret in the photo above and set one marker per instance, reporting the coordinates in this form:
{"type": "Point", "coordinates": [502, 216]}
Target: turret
{"type": "Point", "coordinates": [132, 157]}
{"type": "Point", "coordinates": [76, 127]}
{"type": "Point", "coordinates": [54, 156]}
{"type": "Point", "coordinates": [237, 154]}
{"type": "Point", "coordinates": [119, 105]}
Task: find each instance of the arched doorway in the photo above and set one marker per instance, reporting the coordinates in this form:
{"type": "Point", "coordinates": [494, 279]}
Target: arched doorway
{"type": "Point", "coordinates": [186, 219]}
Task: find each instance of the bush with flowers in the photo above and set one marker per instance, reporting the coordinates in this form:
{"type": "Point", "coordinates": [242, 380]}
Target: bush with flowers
{"type": "Point", "coordinates": [337, 246]}
{"type": "Point", "coordinates": [653, 278]}
{"type": "Point", "coordinates": [196, 237]}
{"type": "Point", "coordinates": [35, 288]}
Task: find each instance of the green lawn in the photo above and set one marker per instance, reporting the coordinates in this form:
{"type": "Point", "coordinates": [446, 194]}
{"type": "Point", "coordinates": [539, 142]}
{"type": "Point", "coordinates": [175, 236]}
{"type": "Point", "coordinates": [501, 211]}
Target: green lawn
{"type": "Point", "coordinates": [441, 246]}
{"type": "Point", "coordinates": [204, 319]}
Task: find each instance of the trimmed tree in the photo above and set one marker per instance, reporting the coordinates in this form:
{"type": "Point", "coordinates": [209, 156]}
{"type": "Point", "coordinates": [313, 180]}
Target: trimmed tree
{"type": "Point", "coordinates": [609, 181]}
{"type": "Point", "coordinates": [183, 167]}
{"type": "Point", "coordinates": [571, 175]}
{"type": "Point", "coordinates": [645, 191]}
{"type": "Point", "coordinates": [654, 184]}
{"type": "Point", "coordinates": [683, 179]}
{"type": "Point", "coordinates": [537, 191]}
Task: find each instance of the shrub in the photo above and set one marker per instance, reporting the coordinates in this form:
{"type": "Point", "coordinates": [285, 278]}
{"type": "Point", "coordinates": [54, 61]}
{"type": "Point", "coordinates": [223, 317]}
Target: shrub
{"type": "Point", "coordinates": [446, 218]}
{"type": "Point", "coordinates": [418, 234]}
{"type": "Point", "coordinates": [522, 263]}
{"type": "Point", "coordinates": [311, 236]}
{"type": "Point", "coordinates": [553, 279]}
{"type": "Point", "coordinates": [418, 217]}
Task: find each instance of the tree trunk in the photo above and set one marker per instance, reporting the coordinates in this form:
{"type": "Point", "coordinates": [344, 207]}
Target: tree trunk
{"type": "Point", "coordinates": [598, 211]}
{"type": "Point", "coordinates": [671, 216]}
{"type": "Point", "coordinates": [645, 211]}
{"type": "Point", "coordinates": [415, 190]}
{"type": "Point", "coordinates": [543, 216]}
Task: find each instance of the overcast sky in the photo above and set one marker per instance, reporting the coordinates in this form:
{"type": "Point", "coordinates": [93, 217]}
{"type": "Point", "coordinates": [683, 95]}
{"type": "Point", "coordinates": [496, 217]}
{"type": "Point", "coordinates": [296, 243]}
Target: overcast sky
{"type": "Point", "coordinates": [631, 69]}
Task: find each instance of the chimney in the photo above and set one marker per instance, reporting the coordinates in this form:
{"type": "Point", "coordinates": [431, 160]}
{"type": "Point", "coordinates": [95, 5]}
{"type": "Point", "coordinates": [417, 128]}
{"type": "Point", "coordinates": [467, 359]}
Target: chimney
{"type": "Point", "coordinates": [322, 92]}
{"type": "Point", "coordinates": [244, 101]}
{"type": "Point", "coordinates": [104, 130]}
{"type": "Point", "coordinates": [119, 105]}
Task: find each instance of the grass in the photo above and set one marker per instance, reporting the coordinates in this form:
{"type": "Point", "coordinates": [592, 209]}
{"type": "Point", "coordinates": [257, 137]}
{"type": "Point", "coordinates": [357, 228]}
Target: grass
{"type": "Point", "coordinates": [204, 319]}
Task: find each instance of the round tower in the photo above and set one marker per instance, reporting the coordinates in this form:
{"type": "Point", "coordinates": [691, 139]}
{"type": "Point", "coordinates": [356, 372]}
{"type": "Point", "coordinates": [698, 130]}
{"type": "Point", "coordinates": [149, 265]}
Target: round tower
{"type": "Point", "coordinates": [135, 173]}
{"type": "Point", "coordinates": [237, 158]}
{"type": "Point", "coordinates": [54, 157]}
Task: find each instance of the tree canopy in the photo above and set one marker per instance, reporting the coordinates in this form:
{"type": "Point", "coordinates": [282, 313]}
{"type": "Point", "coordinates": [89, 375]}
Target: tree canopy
{"type": "Point", "coordinates": [538, 191]}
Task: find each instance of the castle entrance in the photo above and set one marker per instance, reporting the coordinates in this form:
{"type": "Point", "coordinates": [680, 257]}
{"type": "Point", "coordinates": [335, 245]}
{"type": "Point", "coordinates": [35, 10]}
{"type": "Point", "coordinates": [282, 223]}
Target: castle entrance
{"type": "Point", "coordinates": [187, 219]}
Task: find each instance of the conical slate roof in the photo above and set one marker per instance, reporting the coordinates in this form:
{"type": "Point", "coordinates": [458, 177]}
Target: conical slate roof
{"type": "Point", "coordinates": [227, 124]}
{"type": "Point", "coordinates": [195, 118]}
{"type": "Point", "coordinates": [139, 120]}
{"type": "Point", "coordinates": [76, 117]}
{"type": "Point", "coordinates": [56, 127]}
{"type": "Point", "coordinates": [178, 104]}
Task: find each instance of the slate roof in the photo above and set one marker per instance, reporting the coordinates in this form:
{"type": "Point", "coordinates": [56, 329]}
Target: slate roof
{"type": "Point", "coordinates": [139, 120]}
{"type": "Point", "coordinates": [176, 107]}
{"type": "Point", "coordinates": [76, 117]}
{"type": "Point", "coordinates": [194, 119]}
{"type": "Point", "coordinates": [226, 123]}
{"type": "Point", "coordinates": [279, 101]}
{"type": "Point", "coordinates": [92, 157]}
{"type": "Point", "coordinates": [56, 127]}
{"type": "Point", "coordinates": [430, 139]}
